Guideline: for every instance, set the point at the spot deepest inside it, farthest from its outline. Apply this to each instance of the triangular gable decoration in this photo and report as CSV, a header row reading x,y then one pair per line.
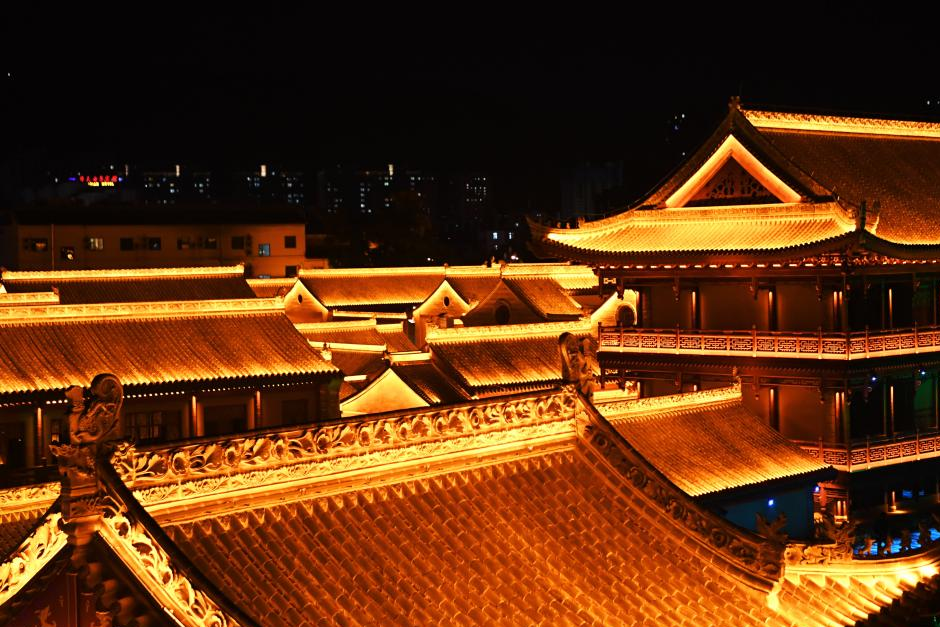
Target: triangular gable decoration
x,y
732,175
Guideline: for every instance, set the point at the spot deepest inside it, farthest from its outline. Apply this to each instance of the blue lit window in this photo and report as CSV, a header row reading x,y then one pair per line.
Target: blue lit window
x,y
264,250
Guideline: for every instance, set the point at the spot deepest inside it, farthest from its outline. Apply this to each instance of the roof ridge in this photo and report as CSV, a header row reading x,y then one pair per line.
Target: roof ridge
x,y
780,120
135,310
640,407
121,273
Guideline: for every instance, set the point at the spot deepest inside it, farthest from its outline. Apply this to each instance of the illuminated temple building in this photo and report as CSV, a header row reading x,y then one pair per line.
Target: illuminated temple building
x,y
428,446
799,253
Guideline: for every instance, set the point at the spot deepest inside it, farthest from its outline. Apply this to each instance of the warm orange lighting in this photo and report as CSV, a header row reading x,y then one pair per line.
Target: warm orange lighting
x,y
731,148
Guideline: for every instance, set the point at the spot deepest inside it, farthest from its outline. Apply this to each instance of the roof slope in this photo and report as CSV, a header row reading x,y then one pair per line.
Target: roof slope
x,y
900,173
43,354
707,442
429,382
372,286
530,509
545,296
511,355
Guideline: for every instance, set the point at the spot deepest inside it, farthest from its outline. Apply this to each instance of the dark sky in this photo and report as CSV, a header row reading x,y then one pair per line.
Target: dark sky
x,y
443,85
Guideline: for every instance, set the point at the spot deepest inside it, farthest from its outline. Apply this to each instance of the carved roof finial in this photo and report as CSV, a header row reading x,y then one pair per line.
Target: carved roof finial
x,y
734,103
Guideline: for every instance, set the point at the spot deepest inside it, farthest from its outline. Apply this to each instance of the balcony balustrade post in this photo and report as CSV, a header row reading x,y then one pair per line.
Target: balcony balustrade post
x,y
819,343
866,340
753,340
678,337
916,343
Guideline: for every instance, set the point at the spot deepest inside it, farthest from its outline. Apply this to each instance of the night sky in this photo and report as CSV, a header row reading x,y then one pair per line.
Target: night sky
x,y
517,92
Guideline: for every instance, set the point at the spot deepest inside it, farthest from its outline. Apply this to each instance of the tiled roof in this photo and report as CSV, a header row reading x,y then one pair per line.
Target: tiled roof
x,y
395,337
429,382
707,442
133,285
900,174
718,229
572,527
268,288
347,332
51,354
372,286
545,296
571,277
353,362
472,288
510,355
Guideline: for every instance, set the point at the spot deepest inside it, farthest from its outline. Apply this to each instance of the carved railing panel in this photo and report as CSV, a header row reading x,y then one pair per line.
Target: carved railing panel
x,y
824,345
31,556
861,455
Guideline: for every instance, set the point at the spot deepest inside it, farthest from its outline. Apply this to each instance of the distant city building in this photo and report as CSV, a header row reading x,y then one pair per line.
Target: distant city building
x,y
269,241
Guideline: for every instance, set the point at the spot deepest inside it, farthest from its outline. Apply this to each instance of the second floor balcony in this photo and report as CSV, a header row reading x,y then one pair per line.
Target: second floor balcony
x,y
804,345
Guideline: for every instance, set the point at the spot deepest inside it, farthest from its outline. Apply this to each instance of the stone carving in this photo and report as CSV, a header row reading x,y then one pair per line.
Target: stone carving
x,y
94,425
27,498
220,462
143,553
578,362
31,556
773,530
762,559
838,549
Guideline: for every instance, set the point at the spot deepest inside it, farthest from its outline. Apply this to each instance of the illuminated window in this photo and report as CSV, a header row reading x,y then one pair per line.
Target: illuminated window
x,y
495,235
94,243
211,243
127,243
290,241
238,241
67,253
37,245
154,243
264,250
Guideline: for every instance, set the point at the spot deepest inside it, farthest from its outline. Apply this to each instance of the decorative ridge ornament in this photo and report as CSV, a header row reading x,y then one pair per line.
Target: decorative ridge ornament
x,y
579,362
510,331
94,426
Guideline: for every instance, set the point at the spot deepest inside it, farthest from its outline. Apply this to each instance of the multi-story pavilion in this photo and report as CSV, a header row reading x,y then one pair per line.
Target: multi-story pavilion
x,y
798,252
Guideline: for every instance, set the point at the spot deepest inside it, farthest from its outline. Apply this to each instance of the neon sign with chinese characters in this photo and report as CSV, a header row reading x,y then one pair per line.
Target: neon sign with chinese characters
x,y
106,180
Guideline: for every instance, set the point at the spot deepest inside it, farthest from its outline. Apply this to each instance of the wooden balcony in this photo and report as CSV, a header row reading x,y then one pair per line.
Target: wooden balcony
x,y
862,455
818,345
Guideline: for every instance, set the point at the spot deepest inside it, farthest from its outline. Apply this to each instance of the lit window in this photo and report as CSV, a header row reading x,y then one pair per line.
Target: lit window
x,y
264,250
67,253
495,235
212,243
510,234
94,243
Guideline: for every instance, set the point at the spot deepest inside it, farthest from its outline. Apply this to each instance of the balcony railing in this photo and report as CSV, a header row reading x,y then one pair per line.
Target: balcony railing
x,y
875,453
819,345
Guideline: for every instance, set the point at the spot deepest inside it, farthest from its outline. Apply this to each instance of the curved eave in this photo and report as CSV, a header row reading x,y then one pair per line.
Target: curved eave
x,y
547,248
875,244
8,395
